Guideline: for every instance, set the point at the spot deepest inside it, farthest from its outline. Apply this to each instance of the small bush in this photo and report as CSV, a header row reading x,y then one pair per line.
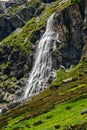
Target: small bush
x,y
48,117
37,123
27,125
57,126
68,107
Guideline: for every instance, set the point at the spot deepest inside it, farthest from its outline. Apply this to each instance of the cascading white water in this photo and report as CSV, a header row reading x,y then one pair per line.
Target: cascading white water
x,y
42,68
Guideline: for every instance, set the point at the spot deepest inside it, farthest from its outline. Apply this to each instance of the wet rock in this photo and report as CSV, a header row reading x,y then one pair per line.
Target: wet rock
x,y
18,93
50,79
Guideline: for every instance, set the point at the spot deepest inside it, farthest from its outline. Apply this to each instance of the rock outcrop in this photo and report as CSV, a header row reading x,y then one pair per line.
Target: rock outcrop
x,y
69,23
12,18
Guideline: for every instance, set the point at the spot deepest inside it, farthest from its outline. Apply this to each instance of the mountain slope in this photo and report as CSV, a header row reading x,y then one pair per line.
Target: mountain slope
x,y
17,51
60,105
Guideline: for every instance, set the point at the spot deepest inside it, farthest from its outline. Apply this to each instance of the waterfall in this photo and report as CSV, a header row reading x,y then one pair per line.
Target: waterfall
x,y
42,69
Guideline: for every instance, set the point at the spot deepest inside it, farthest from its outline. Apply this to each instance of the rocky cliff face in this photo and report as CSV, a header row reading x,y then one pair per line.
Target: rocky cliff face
x,y
69,23
14,14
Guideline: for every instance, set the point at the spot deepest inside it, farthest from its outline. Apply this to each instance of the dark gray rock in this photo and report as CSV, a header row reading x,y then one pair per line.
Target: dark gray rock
x,y
12,105
9,22
3,110
11,90
69,25
18,93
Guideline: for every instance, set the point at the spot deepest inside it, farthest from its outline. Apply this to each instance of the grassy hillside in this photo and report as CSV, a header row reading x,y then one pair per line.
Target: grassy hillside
x,y
60,105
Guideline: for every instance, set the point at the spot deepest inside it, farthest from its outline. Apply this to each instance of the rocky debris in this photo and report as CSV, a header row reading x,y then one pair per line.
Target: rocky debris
x,y
13,104
84,111
21,82
3,110
19,92
9,106
8,97
11,90
67,80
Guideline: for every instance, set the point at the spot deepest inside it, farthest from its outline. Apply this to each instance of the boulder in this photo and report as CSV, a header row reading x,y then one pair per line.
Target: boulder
x,y
18,93
84,111
13,104
67,80
3,110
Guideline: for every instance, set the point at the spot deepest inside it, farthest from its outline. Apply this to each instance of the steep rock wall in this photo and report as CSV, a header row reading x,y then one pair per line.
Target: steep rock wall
x,y
69,23
16,16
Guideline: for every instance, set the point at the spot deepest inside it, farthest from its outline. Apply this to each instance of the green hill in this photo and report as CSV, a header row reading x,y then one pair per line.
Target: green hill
x,y
62,105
